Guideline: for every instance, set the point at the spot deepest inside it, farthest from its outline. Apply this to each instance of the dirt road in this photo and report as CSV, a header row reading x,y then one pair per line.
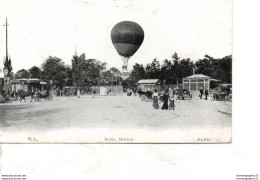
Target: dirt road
x,y
87,119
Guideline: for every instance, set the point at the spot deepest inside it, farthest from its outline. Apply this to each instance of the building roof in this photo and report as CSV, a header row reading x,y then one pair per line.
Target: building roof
x,y
31,80
148,81
198,76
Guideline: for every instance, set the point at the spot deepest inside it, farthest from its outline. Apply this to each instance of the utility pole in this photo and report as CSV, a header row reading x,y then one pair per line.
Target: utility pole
x,y
7,63
6,31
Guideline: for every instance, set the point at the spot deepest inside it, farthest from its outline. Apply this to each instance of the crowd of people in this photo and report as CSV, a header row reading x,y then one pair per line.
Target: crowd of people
x,y
168,99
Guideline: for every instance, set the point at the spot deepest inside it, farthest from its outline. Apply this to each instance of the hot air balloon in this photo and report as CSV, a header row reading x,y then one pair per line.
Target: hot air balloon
x,y
127,37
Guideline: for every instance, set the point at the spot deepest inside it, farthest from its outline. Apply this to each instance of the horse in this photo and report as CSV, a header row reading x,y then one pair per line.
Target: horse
x,y
22,94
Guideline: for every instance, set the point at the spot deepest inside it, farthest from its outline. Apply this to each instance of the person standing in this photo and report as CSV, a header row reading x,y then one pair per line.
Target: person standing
x,y
32,95
171,99
206,94
134,92
155,99
78,93
149,92
94,93
201,93
165,100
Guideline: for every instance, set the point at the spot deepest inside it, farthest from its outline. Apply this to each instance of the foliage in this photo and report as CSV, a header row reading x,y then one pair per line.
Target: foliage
x,y
220,69
88,72
35,72
172,71
22,74
54,69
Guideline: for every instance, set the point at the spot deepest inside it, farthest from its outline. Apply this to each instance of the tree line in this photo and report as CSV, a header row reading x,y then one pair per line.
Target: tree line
x,y
81,73
173,70
91,72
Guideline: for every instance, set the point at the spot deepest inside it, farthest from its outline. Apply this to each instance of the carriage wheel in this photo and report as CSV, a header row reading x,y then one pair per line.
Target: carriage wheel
x,y
50,98
143,98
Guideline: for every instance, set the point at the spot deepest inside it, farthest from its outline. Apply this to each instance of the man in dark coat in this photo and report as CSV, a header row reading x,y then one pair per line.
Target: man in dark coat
x,y
201,93
206,94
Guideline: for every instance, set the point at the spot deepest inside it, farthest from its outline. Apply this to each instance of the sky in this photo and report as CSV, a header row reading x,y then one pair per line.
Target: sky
x,y
42,28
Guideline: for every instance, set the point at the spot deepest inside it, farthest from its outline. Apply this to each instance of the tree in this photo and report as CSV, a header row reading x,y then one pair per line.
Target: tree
x,y
109,77
205,66
68,80
22,74
94,71
55,70
117,74
79,70
153,69
35,72
220,69
87,72
138,72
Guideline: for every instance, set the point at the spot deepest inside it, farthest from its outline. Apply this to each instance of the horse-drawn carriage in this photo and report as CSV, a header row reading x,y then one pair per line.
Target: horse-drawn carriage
x,y
38,96
221,93
45,96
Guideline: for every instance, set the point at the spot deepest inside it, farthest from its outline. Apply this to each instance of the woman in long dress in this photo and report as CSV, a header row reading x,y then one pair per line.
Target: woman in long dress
x,y
155,99
78,93
171,99
165,100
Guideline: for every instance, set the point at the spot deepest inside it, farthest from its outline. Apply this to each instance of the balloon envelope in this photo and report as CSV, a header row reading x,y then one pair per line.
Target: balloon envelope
x,y
127,37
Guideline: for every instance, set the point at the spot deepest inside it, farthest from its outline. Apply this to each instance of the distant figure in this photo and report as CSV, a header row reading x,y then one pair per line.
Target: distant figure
x,y
39,95
16,95
155,99
149,92
47,92
201,93
94,93
128,92
134,92
171,99
32,95
206,94
165,100
78,93
227,97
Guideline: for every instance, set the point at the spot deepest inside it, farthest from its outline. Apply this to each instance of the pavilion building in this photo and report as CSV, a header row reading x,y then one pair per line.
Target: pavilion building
x,y
196,82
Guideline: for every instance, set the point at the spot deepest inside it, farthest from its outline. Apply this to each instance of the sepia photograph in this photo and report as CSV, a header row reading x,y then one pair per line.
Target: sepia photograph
x,y
128,71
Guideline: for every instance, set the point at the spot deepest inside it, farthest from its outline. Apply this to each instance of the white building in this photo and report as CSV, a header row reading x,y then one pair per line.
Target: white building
x,y
152,84
196,82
